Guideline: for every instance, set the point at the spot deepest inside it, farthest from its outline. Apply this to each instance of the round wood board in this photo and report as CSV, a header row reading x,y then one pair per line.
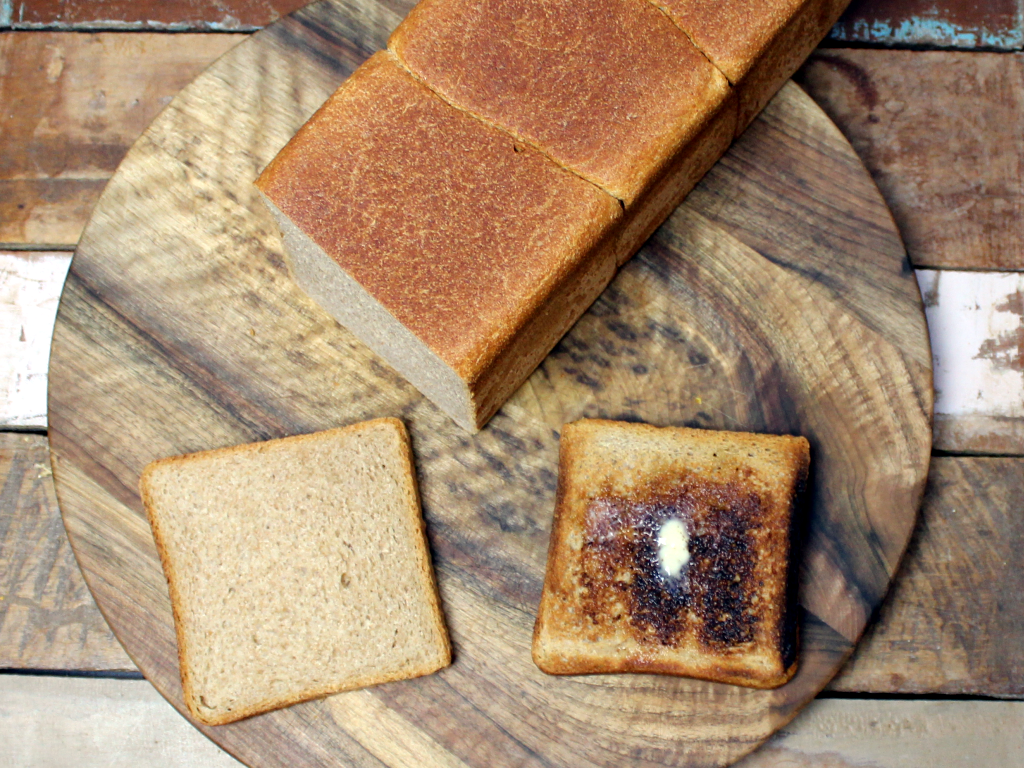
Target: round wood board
x,y
778,298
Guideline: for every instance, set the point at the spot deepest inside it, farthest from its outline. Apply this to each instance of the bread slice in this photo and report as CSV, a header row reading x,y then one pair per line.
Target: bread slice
x,y
757,44
456,253
671,553
613,93
297,568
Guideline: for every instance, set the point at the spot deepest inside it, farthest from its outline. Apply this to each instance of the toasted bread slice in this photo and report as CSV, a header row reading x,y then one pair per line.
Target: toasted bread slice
x,y
297,568
457,254
671,553
613,91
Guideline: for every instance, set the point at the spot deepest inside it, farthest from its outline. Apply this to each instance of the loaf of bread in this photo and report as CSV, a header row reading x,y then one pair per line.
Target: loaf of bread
x,y
671,553
297,568
462,199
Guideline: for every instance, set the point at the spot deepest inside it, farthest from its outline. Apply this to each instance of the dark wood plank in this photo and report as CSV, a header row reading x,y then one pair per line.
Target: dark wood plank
x,y
954,622
995,24
73,105
193,15
943,136
48,619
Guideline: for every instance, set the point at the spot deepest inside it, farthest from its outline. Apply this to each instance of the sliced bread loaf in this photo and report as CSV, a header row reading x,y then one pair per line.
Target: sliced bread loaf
x,y
671,553
297,568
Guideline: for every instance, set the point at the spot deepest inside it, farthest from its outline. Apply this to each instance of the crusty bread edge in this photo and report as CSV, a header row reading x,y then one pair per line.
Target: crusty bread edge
x,y
798,450
266,705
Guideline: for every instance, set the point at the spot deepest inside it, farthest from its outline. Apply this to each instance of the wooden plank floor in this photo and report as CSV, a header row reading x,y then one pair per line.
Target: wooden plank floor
x,y
942,132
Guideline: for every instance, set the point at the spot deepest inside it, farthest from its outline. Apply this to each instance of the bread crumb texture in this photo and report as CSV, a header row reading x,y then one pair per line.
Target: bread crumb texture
x,y
297,568
670,553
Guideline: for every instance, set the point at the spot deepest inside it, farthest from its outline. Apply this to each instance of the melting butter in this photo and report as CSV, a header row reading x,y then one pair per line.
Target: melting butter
x,y
673,547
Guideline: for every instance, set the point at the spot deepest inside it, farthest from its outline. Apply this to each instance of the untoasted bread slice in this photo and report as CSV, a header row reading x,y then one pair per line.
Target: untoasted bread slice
x,y
297,568
670,553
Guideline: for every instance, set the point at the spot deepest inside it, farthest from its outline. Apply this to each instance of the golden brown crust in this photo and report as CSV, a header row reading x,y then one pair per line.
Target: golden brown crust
x,y
612,94
486,228
607,606
423,566
757,44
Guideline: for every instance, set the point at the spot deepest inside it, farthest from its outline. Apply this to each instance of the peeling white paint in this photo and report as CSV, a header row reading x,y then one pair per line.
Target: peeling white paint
x,y
30,288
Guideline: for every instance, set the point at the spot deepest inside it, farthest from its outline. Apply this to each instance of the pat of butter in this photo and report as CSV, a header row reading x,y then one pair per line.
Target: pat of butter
x,y
673,547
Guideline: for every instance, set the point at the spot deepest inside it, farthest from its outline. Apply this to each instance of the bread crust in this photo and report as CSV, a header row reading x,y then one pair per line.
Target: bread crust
x,y
613,94
488,228
607,608
423,567
757,44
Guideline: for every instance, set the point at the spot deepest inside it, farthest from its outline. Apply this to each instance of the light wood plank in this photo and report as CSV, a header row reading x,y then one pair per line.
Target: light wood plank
x,y
942,133
55,722
976,323
48,619
933,635
48,722
30,286
844,733
73,105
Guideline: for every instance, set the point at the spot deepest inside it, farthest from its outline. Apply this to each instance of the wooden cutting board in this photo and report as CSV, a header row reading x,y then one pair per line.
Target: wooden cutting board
x,y
777,299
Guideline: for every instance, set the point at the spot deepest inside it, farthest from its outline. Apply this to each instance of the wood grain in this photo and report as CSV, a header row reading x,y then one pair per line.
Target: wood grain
x,y
179,330
114,723
73,104
954,621
943,136
48,619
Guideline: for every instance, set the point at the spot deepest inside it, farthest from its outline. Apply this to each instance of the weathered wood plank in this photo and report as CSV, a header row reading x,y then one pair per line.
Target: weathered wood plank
x,y
83,99
73,105
196,15
48,619
30,286
943,136
968,24
976,323
954,620
54,722
838,733
993,24
48,722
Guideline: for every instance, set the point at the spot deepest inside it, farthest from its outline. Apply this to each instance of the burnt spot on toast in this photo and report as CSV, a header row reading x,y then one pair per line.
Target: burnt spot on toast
x,y
714,596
